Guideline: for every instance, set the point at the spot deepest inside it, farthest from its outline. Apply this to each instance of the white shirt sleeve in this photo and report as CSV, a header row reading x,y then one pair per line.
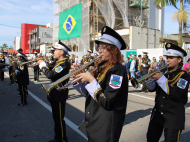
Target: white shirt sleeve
x,y
162,83
81,88
92,87
42,64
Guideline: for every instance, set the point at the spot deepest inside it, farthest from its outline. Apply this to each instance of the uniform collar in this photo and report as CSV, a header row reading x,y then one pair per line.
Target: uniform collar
x,y
174,71
61,60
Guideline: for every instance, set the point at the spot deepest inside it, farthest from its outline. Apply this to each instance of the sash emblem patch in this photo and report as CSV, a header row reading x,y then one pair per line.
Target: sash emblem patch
x,y
182,83
58,69
115,81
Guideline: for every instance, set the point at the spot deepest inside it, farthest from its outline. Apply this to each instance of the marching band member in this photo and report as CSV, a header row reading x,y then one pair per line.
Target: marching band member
x,y
88,56
21,52
72,58
107,92
36,68
145,67
52,59
2,60
10,70
22,78
171,89
57,97
83,60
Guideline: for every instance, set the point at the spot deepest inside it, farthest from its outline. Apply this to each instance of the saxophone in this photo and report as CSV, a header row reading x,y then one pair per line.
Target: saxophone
x,y
140,66
14,78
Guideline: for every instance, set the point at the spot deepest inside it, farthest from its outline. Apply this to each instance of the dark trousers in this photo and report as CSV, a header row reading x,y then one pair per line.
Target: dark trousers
x,y
2,75
58,111
36,74
10,74
155,132
23,92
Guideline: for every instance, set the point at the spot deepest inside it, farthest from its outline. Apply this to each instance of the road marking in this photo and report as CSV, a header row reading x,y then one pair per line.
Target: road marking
x,y
67,121
141,96
150,98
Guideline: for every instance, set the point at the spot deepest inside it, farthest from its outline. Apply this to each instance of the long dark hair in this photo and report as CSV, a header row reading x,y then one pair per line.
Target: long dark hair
x,y
116,57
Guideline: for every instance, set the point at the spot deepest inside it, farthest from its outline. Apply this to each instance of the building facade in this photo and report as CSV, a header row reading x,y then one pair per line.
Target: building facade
x,y
16,43
26,39
117,14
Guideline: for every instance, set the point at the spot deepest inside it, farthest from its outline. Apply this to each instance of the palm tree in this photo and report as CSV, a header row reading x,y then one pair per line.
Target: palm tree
x,y
180,16
5,45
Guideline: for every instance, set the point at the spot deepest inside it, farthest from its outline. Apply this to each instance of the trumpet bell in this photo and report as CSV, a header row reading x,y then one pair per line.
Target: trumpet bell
x,y
134,83
47,88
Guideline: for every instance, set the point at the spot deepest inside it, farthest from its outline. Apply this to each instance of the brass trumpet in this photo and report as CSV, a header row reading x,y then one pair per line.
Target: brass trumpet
x,y
135,82
23,63
49,87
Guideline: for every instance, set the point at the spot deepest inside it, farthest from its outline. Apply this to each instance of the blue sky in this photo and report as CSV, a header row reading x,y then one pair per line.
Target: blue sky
x,y
15,12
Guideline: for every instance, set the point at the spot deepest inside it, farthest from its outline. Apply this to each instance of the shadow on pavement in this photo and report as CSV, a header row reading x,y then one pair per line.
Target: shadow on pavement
x,y
135,115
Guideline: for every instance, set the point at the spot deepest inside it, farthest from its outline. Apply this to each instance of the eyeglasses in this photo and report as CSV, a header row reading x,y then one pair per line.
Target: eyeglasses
x,y
154,59
100,48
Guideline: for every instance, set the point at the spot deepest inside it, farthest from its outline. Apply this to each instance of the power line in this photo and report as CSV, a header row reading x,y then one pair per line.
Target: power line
x,y
9,26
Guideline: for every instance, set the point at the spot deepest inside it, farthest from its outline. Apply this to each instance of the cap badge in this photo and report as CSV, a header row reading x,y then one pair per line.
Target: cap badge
x,y
169,45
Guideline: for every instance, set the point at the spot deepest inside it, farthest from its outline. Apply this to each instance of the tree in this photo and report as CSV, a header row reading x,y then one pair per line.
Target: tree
x,y
180,15
4,46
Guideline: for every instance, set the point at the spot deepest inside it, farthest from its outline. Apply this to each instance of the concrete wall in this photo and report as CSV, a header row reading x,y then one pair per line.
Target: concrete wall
x,y
43,49
45,34
139,41
154,16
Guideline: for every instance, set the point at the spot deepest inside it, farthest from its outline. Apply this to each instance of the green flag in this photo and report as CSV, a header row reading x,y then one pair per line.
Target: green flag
x,y
70,23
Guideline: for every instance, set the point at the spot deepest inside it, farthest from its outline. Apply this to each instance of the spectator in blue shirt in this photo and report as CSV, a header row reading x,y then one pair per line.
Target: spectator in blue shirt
x,y
127,66
132,67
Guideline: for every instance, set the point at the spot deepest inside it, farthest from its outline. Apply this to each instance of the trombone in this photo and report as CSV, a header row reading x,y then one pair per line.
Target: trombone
x,y
135,82
49,87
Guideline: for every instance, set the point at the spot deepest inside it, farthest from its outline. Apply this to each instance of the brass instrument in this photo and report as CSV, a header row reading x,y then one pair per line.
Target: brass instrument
x,y
23,63
49,87
13,74
73,81
140,66
4,64
135,82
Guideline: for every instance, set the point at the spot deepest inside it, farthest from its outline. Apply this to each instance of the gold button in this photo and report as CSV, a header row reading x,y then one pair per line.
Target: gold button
x,y
163,97
161,105
154,109
162,113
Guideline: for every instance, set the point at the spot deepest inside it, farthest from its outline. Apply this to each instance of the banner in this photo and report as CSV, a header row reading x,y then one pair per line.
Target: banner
x,y
70,23
131,52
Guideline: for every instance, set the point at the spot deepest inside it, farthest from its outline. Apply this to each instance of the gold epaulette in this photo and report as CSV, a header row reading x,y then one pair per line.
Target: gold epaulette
x,y
174,80
59,62
101,77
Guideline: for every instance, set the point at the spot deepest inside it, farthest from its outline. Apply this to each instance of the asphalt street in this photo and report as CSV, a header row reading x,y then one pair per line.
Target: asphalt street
x,y
34,122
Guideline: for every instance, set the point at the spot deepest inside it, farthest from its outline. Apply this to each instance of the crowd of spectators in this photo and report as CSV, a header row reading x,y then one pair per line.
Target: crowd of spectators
x,y
134,65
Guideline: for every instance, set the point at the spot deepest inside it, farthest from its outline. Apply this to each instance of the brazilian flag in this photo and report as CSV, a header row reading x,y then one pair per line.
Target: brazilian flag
x,y
70,23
